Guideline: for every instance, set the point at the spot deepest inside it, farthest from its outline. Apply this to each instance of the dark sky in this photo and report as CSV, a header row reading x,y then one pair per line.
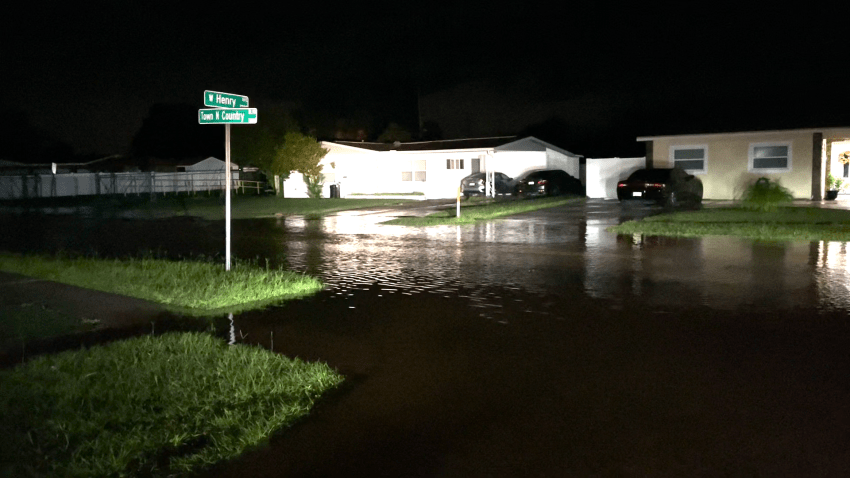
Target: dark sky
x,y
589,78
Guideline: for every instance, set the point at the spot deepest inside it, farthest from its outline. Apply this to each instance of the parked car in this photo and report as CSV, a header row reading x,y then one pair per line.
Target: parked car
x,y
550,182
473,185
667,186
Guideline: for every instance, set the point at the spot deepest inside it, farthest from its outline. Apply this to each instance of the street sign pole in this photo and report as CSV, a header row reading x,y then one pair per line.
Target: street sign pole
x,y
226,108
227,196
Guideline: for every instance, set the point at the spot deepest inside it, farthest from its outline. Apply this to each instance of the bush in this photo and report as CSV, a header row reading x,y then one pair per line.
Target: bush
x,y
766,195
315,183
833,183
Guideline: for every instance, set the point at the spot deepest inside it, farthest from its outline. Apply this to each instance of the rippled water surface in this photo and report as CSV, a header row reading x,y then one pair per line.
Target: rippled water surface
x,y
538,345
549,251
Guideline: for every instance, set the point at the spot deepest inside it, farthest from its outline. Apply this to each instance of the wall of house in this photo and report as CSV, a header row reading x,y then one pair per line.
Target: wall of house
x,y
366,172
390,172
602,175
517,163
727,171
444,182
556,160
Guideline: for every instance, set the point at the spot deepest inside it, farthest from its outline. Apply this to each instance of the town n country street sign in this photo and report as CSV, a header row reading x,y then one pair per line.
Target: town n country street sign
x,y
227,115
218,99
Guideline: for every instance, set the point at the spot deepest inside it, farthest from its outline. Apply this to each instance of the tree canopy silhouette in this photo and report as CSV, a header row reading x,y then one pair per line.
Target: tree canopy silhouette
x,y
171,130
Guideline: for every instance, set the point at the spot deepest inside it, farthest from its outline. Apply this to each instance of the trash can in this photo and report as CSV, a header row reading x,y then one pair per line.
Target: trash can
x,y
334,190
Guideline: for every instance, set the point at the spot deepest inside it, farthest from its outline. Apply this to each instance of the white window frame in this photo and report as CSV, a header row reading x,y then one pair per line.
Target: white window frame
x,y
412,168
454,164
751,157
703,147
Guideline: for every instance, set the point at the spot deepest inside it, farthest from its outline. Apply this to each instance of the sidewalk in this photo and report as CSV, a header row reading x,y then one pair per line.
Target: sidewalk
x,y
109,310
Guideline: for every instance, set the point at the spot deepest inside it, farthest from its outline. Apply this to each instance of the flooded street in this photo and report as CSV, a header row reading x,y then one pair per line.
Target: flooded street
x,y
538,345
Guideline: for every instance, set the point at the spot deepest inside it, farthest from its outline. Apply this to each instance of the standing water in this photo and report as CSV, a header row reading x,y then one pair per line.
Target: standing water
x,y
538,345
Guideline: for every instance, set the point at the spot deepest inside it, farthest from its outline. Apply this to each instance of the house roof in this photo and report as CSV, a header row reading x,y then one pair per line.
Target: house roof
x,y
530,143
827,132
440,145
210,163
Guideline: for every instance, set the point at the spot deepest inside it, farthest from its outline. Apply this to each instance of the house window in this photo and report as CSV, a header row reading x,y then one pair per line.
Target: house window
x,y
454,164
413,170
690,158
770,157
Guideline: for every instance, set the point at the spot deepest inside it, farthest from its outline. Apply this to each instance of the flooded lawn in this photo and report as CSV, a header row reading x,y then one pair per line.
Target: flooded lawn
x,y
539,345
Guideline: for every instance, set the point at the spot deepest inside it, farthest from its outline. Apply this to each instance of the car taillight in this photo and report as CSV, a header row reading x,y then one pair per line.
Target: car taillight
x,y
621,185
541,182
654,185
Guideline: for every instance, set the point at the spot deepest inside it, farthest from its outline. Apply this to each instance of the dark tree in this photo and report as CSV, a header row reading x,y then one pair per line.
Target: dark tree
x,y
172,131
393,133
256,144
25,143
431,131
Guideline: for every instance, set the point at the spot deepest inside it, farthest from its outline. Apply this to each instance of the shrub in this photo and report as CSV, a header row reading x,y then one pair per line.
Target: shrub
x,y
833,183
766,195
314,183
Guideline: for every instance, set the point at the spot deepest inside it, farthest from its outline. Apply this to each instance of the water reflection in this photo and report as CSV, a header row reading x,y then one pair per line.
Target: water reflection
x,y
231,331
831,274
721,272
549,253
560,251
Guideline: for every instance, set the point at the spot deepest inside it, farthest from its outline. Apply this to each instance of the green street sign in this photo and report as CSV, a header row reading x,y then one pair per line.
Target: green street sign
x,y
227,115
218,99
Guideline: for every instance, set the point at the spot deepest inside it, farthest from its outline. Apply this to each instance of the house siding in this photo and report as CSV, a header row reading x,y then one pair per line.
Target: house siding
x,y
366,170
727,171
556,160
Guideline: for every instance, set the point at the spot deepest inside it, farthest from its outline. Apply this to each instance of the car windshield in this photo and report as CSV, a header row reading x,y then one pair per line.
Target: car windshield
x,y
659,175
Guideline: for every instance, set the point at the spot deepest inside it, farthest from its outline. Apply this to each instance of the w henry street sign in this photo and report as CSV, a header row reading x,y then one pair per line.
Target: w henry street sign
x,y
227,115
228,109
218,99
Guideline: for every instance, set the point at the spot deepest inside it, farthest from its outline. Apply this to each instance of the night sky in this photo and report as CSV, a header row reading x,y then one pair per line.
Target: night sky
x,y
587,78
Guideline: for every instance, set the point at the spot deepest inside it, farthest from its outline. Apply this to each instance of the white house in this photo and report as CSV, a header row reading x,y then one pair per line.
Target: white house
x,y
431,168
209,164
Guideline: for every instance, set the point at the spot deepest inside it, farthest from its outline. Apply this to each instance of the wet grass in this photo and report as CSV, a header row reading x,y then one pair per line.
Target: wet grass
x,y
268,206
389,194
149,406
205,206
473,211
188,287
779,224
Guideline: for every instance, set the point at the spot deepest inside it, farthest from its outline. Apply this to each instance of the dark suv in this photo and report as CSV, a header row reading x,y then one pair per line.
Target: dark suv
x,y
550,182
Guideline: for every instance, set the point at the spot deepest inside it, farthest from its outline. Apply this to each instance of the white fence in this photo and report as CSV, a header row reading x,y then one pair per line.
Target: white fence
x,y
602,175
83,184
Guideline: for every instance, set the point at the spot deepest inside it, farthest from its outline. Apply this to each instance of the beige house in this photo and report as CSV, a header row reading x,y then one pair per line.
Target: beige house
x,y
728,162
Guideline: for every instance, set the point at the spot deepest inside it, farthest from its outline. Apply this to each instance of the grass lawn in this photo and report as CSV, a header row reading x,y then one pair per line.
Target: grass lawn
x,y
246,207
189,287
149,406
207,207
475,210
784,224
